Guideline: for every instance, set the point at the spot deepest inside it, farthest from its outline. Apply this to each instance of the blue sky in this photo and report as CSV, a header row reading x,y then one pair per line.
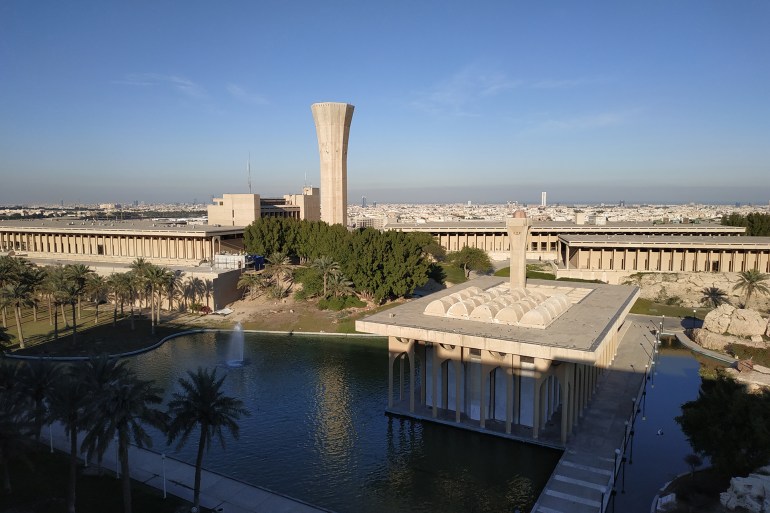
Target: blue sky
x,y
648,101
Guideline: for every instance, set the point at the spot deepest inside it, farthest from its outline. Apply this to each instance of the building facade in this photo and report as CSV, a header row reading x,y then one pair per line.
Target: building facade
x,y
243,209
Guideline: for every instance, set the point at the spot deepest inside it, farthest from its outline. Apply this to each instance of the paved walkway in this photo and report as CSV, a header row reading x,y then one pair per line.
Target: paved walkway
x,y
582,481
218,492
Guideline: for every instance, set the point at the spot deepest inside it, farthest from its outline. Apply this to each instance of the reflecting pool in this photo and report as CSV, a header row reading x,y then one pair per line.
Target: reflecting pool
x,y
657,459
318,432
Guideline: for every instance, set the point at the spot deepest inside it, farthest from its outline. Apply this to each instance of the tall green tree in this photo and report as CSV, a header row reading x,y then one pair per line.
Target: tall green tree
x,y
752,281
203,405
471,259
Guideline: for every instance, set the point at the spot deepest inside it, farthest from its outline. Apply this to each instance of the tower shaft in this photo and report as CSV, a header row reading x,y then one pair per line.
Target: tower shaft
x,y
332,124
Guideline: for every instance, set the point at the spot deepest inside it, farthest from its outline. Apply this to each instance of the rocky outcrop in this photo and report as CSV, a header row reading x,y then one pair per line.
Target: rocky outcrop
x,y
751,493
738,322
688,288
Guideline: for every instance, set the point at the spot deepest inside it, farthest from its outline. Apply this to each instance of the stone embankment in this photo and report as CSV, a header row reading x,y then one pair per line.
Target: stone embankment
x,y
688,287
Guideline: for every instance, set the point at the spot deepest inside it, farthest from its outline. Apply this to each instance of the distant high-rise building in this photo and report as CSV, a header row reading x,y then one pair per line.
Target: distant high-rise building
x,y
469,203
542,199
363,201
332,124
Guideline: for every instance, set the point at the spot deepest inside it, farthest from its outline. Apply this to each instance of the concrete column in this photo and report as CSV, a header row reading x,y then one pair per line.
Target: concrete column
x,y
541,368
508,400
423,351
433,371
459,378
391,361
518,230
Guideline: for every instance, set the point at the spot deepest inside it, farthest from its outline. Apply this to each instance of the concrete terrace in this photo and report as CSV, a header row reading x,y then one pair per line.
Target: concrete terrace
x,y
583,480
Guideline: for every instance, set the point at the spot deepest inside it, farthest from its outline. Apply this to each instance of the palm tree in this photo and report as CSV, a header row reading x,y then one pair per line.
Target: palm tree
x,y
197,287
752,281
9,270
99,373
139,268
340,285
55,282
208,290
173,288
37,379
17,294
16,426
97,289
69,294
203,404
713,296
36,278
327,267
123,410
68,405
156,277
280,270
251,282
78,273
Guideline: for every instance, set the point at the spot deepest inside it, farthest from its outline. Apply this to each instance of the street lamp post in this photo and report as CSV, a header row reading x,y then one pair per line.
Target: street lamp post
x,y
163,469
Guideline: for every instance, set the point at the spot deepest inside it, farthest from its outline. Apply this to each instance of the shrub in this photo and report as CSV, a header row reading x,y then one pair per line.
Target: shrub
x,y
336,304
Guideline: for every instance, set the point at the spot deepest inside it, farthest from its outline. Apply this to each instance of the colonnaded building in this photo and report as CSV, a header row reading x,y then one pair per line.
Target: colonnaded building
x,y
611,252
205,251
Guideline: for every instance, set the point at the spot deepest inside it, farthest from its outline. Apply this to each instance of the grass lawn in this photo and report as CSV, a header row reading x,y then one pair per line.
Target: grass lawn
x,y
41,486
649,307
453,273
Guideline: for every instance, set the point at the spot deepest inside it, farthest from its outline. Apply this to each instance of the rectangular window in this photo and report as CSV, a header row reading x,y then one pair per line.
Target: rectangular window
x,y
100,249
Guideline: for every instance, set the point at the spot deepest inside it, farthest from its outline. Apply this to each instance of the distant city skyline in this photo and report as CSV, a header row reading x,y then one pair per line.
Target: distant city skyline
x,y
488,102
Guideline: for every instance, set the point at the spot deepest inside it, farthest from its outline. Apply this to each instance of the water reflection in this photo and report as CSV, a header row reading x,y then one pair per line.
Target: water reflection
x,y
659,458
318,431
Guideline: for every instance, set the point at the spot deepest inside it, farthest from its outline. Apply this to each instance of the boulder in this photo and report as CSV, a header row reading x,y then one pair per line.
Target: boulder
x,y
735,321
718,319
747,323
709,340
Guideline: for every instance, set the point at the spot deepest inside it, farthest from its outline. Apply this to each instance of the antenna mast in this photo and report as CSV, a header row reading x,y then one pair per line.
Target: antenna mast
x,y
248,167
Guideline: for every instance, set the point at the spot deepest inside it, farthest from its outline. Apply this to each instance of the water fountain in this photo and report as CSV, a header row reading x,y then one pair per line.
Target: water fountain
x,y
235,349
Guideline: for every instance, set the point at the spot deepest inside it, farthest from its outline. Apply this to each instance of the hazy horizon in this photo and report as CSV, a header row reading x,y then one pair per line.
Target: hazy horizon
x,y
488,102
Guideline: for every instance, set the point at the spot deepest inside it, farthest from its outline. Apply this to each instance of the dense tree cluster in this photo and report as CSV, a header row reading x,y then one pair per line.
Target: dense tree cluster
x,y
378,265
756,223
104,400
729,425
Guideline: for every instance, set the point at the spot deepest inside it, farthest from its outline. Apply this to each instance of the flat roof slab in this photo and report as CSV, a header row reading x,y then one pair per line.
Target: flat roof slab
x,y
573,336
